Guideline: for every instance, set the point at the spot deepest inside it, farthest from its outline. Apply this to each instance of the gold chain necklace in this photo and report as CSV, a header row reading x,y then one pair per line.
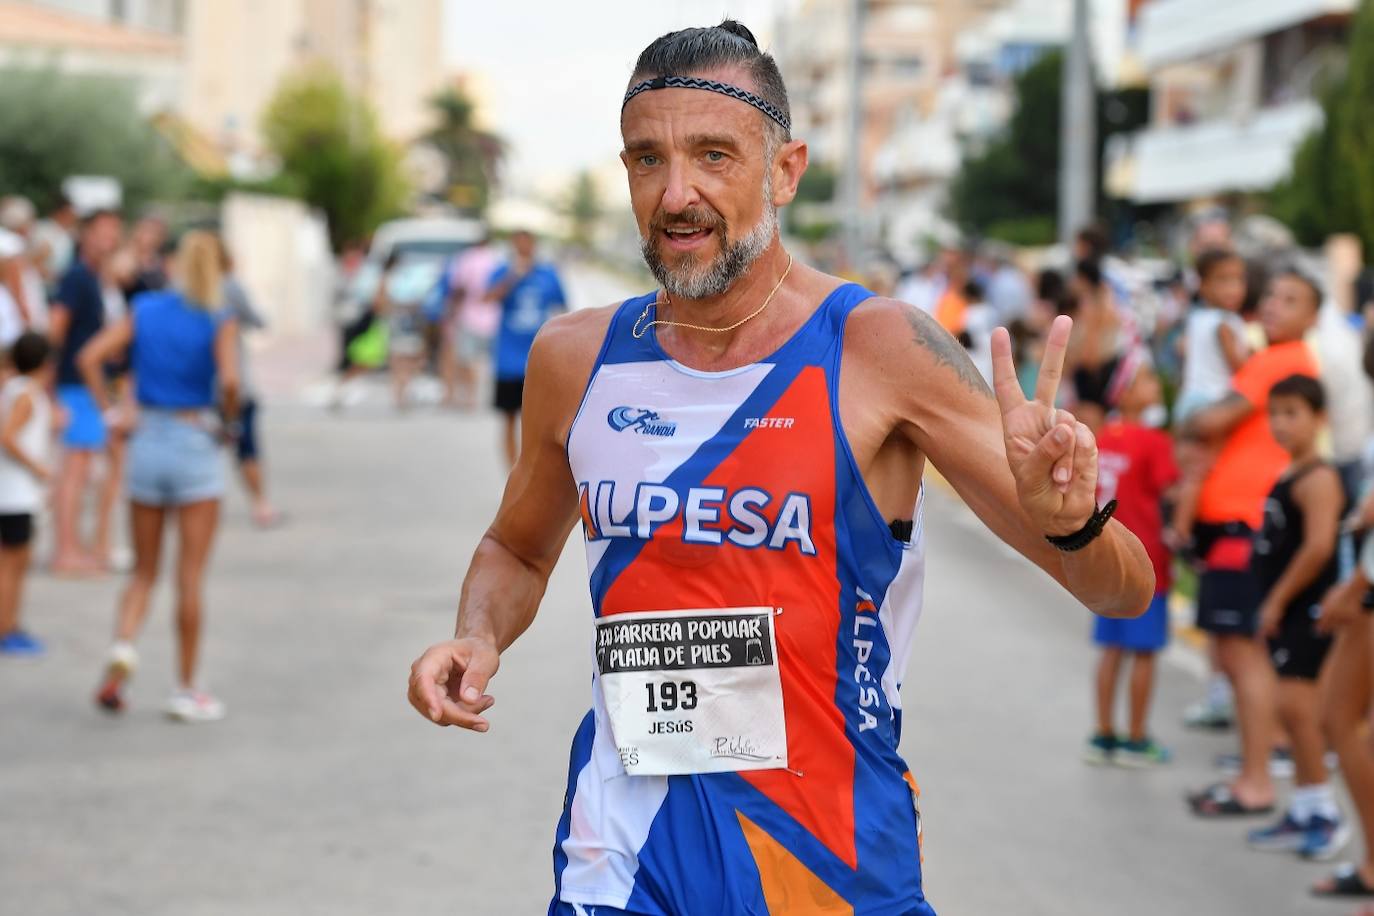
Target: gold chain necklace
x,y
639,332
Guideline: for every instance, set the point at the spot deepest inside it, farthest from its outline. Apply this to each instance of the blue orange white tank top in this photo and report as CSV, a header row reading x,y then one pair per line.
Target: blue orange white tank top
x,y
704,493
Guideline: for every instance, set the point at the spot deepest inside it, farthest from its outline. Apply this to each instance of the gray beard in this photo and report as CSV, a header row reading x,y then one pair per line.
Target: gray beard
x,y
713,279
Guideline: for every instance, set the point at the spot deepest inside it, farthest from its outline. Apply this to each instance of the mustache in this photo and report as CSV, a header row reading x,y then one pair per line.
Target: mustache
x,y
701,217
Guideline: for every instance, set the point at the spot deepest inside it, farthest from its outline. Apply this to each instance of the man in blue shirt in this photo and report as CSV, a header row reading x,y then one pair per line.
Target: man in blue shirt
x,y
530,294
77,315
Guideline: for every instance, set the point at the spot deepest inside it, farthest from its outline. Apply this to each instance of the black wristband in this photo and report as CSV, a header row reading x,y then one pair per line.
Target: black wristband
x,y
1087,534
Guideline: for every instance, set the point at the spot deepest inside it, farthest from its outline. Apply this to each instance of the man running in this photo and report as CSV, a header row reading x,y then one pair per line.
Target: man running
x,y
530,293
744,451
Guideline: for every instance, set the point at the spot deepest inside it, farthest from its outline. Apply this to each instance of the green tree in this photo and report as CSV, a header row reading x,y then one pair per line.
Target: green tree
x,y
808,217
332,151
1009,189
583,208
1014,178
473,156
53,125
1331,186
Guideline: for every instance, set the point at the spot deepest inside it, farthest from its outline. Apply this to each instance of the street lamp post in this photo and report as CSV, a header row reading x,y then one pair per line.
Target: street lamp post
x,y
1077,130
852,187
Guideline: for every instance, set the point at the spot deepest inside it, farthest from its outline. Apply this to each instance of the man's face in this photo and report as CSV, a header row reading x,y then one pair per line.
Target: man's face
x,y
700,184
101,237
149,235
1288,311
523,243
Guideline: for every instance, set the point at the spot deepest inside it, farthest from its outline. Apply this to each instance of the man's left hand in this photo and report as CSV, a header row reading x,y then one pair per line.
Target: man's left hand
x,y
1052,456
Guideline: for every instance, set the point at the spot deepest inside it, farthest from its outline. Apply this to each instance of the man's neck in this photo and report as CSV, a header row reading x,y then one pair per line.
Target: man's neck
x,y
744,295
756,336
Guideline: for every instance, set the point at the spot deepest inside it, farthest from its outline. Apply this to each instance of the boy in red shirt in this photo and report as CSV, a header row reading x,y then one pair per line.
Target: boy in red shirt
x,y
1135,467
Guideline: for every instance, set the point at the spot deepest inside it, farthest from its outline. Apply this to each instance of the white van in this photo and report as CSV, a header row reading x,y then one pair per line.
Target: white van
x,y
423,245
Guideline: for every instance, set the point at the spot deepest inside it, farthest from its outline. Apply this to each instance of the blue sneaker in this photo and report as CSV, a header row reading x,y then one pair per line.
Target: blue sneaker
x,y
1286,836
1141,754
20,645
1324,838
1099,750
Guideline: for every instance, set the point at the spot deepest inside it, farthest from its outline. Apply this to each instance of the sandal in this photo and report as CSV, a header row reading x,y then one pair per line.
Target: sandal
x,y
1345,882
1219,801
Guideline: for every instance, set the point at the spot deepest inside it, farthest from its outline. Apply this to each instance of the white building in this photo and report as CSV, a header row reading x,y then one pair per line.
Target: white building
x,y
908,49
73,39
1233,88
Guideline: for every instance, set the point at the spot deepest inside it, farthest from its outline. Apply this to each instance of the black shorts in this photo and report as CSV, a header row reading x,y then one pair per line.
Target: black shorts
x,y
16,530
1299,650
1228,593
247,446
1228,602
510,394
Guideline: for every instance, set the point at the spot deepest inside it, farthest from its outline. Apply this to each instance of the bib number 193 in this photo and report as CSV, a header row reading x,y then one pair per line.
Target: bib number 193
x,y
692,691
670,695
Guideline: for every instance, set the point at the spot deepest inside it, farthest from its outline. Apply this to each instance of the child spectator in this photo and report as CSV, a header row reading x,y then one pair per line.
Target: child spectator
x,y
1295,560
1135,467
25,427
1214,348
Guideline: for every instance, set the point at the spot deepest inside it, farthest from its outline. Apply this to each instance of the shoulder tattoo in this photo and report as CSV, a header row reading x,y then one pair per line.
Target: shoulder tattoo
x,y
926,332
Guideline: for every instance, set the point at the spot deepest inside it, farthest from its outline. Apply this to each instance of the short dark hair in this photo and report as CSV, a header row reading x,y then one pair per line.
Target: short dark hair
x,y
687,52
1090,271
1213,258
29,352
1049,285
1094,238
1301,386
1306,280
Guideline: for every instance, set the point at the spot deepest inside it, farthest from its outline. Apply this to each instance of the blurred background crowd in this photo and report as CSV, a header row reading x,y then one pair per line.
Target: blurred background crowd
x,y
384,197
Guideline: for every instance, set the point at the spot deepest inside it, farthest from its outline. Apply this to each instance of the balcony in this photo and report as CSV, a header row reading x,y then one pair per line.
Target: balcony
x,y
1174,30
1180,163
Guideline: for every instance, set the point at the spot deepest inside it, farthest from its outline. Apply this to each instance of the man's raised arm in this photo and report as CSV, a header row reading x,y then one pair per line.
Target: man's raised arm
x,y
1026,469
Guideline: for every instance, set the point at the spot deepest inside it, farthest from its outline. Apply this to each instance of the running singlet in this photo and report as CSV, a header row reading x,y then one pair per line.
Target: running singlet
x,y
754,615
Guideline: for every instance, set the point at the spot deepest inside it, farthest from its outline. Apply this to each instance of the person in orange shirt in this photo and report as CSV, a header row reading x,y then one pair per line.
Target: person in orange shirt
x,y
1230,510
952,306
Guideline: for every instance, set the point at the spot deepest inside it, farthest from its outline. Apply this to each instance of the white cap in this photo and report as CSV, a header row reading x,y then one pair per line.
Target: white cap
x,y
11,245
16,212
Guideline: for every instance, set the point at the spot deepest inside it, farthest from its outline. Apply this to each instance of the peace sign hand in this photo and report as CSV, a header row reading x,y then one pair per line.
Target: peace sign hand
x,y
1052,456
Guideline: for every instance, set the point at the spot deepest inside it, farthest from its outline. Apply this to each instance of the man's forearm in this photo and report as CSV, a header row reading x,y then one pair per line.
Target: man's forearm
x,y
1113,575
501,594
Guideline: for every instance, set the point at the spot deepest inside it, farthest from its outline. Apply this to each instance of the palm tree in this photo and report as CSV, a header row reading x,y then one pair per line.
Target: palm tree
x,y
474,156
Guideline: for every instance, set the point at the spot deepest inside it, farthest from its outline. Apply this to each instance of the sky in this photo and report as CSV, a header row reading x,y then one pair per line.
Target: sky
x,y
553,71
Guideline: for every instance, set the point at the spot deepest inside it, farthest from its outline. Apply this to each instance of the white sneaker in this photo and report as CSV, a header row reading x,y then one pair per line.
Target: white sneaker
x,y
121,559
123,659
194,706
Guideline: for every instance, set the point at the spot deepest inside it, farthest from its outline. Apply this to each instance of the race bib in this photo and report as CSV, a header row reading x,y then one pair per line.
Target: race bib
x,y
693,691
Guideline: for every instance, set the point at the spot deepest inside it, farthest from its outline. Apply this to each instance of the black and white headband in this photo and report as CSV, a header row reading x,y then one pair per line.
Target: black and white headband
x,y
693,82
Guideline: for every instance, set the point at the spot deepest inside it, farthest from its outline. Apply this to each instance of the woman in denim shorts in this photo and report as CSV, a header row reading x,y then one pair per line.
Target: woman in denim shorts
x,y
182,344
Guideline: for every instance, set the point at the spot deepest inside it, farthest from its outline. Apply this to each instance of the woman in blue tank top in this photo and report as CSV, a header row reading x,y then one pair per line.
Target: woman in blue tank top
x,y
181,344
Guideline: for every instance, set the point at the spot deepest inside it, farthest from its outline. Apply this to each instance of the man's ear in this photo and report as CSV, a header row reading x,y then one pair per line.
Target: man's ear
x,y
788,167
